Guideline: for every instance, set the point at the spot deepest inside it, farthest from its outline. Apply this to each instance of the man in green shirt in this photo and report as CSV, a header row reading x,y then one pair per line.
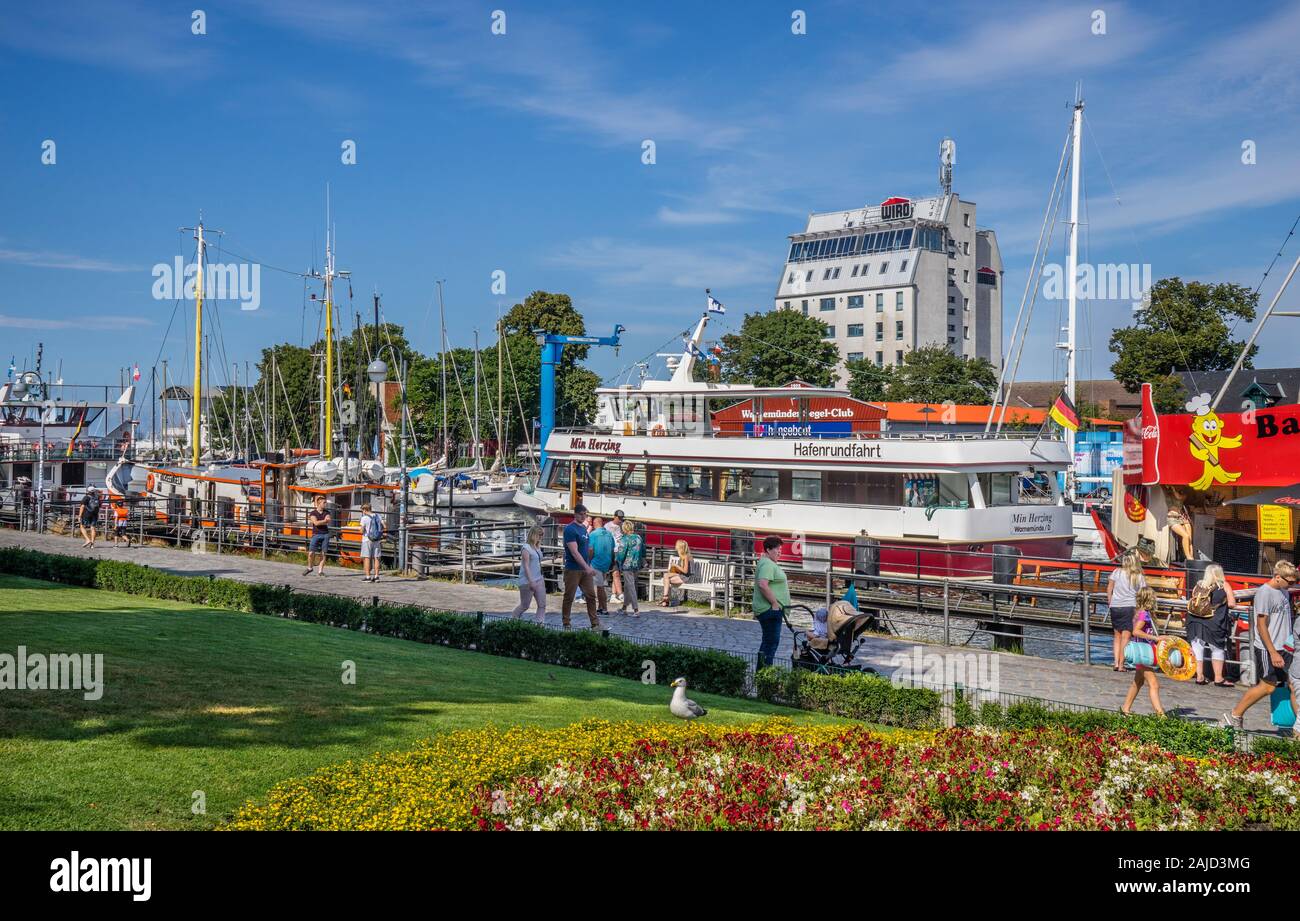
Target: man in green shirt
x,y
771,597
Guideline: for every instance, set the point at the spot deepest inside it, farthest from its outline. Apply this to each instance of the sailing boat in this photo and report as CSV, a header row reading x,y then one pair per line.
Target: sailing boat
x,y
477,487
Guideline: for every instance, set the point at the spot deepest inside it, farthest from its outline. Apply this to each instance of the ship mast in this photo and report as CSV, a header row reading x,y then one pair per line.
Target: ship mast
x,y
1071,273
196,396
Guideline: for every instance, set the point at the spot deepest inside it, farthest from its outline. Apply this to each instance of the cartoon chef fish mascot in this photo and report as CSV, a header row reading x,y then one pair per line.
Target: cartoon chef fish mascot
x,y
1207,440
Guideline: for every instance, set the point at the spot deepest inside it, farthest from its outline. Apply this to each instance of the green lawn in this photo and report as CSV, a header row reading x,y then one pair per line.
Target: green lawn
x,y
230,703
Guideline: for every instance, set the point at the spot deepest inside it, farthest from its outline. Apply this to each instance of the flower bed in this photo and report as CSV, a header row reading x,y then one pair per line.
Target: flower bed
x,y
598,775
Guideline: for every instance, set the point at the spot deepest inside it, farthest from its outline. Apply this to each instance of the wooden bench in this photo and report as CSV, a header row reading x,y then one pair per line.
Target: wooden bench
x,y
710,579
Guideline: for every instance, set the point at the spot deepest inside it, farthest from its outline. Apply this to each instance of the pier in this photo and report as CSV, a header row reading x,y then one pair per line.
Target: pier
x,y
1064,683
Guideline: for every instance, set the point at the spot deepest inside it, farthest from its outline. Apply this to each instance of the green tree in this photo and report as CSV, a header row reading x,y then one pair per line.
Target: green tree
x,y
520,381
933,374
1185,327
869,381
777,347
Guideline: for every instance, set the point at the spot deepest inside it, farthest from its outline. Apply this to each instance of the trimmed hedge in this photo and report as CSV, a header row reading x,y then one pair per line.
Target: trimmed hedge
x,y
857,696
710,671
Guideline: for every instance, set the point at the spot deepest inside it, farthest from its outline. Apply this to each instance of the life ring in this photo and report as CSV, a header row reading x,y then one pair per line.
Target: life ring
x,y
1174,656
658,429
148,483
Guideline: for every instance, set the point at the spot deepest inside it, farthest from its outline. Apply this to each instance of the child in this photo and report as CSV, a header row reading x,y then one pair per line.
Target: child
x,y
1144,631
121,515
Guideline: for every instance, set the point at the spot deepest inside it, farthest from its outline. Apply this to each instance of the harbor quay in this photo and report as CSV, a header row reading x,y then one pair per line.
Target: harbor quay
x,y
1070,684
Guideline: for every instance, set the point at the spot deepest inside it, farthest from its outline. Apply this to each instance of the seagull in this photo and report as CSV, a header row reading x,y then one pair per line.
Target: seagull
x,y
681,705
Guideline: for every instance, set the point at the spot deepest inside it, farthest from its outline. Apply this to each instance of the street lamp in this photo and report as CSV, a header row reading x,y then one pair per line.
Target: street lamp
x,y
377,372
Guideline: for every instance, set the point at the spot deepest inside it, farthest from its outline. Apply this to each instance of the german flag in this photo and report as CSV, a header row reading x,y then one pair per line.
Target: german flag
x,y
1063,414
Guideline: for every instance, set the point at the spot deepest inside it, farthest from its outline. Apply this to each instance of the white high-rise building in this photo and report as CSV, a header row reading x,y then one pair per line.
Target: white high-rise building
x,y
896,276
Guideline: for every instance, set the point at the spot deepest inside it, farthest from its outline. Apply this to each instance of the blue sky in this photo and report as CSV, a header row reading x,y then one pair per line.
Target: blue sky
x,y
522,153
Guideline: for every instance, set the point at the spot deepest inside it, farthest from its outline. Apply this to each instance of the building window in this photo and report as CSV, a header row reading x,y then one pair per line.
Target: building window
x,y
952,311
952,299
855,329
898,357
880,302
965,303
965,332
855,270
805,308
965,219
830,333
790,280
827,303
866,267
809,276
884,267
952,340
898,329
855,300
787,305
965,247
880,332
826,275
952,273
880,359
903,266
898,300
952,327
855,356
835,274
965,276
986,278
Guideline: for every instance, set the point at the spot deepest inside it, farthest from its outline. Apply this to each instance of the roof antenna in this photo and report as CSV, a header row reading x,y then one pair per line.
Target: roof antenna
x,y
947,157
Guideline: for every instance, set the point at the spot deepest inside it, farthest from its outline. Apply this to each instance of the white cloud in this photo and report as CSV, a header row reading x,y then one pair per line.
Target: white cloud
x,y
618,263
46,259
98,323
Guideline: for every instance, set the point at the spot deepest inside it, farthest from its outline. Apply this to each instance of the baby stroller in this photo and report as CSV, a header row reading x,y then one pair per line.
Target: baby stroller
x,y
834,653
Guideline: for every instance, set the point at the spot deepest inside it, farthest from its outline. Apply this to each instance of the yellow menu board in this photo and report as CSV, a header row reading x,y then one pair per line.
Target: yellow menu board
x,y
1274,524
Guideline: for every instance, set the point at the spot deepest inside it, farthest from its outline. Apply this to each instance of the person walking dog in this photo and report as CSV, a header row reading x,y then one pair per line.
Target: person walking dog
x,y
771,598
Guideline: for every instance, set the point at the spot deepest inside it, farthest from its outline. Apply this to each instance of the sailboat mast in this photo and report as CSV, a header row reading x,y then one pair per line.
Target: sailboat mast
x,y
442,361
196,396
501,412
328,447
1071,273
478,442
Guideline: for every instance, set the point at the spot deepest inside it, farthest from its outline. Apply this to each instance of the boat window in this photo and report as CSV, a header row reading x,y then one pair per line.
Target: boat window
x,y
944,489
587,475
857,487
744,485
74,474
557,474
679,482
806,486
998,488
620,479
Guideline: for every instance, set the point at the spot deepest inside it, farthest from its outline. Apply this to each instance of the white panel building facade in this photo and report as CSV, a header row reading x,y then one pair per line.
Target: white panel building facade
x,y
896,276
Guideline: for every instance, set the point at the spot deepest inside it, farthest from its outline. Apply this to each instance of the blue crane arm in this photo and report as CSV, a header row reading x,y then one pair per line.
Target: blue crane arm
x,y
552,347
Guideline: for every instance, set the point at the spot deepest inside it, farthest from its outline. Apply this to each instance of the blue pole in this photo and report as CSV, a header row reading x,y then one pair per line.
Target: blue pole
x,y
550,358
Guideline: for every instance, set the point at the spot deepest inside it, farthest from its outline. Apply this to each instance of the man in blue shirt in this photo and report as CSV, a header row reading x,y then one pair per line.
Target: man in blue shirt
x,y
577,568
601,542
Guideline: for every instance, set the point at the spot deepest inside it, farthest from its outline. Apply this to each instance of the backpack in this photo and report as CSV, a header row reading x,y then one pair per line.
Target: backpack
x,y
1199,604
374,527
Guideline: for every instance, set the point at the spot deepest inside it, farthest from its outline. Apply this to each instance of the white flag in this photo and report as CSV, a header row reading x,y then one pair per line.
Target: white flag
x,y
715,305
